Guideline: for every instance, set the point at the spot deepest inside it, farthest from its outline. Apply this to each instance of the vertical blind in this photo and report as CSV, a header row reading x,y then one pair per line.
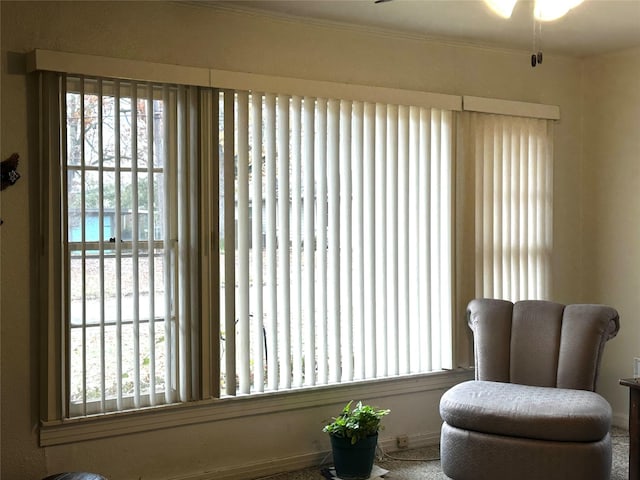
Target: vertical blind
x,y
336,240
513,158
129,242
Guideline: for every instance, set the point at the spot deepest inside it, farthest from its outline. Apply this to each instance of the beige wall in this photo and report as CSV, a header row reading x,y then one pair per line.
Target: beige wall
x,y
611,209
169,32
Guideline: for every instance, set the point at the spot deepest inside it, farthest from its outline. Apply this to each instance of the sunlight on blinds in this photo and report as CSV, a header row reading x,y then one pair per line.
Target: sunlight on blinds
x,y
336,241
513,170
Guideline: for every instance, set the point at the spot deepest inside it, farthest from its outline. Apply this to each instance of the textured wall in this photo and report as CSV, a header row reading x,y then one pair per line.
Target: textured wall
x,y
612,206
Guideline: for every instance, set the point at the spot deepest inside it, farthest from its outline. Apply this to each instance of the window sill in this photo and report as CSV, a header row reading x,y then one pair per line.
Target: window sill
x,y
122,423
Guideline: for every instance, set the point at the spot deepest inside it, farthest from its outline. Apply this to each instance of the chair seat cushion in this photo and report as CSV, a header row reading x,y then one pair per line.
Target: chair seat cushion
x,y
514,410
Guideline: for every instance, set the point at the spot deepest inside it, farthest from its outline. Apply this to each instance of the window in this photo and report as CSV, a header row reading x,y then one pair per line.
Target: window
x,y
203,243
513,165
337,240
332,215
126,241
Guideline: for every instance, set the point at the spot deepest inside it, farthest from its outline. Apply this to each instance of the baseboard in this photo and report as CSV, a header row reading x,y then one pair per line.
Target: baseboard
x,y
415,441
620,420
299,462
259,469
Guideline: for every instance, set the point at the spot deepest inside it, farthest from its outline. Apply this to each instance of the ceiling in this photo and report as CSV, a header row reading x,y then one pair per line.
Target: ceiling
x,y
595,27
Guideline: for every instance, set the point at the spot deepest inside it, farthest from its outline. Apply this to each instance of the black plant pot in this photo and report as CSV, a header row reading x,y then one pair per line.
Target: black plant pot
x,y
353,462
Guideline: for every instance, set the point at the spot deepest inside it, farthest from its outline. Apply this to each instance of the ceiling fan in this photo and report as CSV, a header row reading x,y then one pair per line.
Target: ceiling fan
x,y
543,10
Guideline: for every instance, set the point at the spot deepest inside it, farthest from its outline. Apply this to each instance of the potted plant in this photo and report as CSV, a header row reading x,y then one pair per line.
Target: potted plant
x,y
354,436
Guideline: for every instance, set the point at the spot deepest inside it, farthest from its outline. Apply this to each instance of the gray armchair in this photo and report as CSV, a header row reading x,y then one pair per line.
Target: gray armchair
x,y
531,412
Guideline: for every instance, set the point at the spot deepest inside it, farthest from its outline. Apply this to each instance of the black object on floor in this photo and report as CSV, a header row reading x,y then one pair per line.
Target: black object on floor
x,y
75,476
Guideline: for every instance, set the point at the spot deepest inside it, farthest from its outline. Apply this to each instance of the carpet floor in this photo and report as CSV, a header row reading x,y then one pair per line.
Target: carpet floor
x,y
424,463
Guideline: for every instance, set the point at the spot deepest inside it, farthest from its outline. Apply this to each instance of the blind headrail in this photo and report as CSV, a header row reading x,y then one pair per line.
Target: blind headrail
x,y
93,65
510,107
325,89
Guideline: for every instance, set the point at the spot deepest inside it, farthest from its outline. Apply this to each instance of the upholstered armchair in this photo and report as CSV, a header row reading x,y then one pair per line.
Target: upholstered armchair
x,y
531,412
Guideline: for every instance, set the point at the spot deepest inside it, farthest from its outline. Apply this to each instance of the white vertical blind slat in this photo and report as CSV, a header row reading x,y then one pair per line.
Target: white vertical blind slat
x,y
369,248
424,238
506,208
413,243
436,217
271,239
381,233
514,199
284,256
522,212
309,240
445,341
487,214
358,319
402,262
321,239
333,242
257,242
391,235
532,214
345,270
498,212
297,333
548,202
242,299
541,211
476,132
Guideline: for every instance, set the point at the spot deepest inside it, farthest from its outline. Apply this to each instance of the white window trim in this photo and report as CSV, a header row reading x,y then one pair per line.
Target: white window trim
x,y
121,423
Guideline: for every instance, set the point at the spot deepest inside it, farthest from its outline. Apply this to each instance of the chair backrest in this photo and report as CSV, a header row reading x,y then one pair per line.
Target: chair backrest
x,y
540,343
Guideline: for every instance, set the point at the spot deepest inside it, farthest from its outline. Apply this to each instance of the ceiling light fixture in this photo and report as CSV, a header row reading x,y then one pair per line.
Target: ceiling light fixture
x,y
549,10
504,8
543,10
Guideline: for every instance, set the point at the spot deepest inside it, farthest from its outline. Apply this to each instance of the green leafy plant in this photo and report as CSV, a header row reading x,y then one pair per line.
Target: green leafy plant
x,y
356,424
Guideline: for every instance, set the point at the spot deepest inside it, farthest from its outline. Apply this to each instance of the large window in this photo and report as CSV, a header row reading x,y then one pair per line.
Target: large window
x,y
203,243
336,240
334,231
